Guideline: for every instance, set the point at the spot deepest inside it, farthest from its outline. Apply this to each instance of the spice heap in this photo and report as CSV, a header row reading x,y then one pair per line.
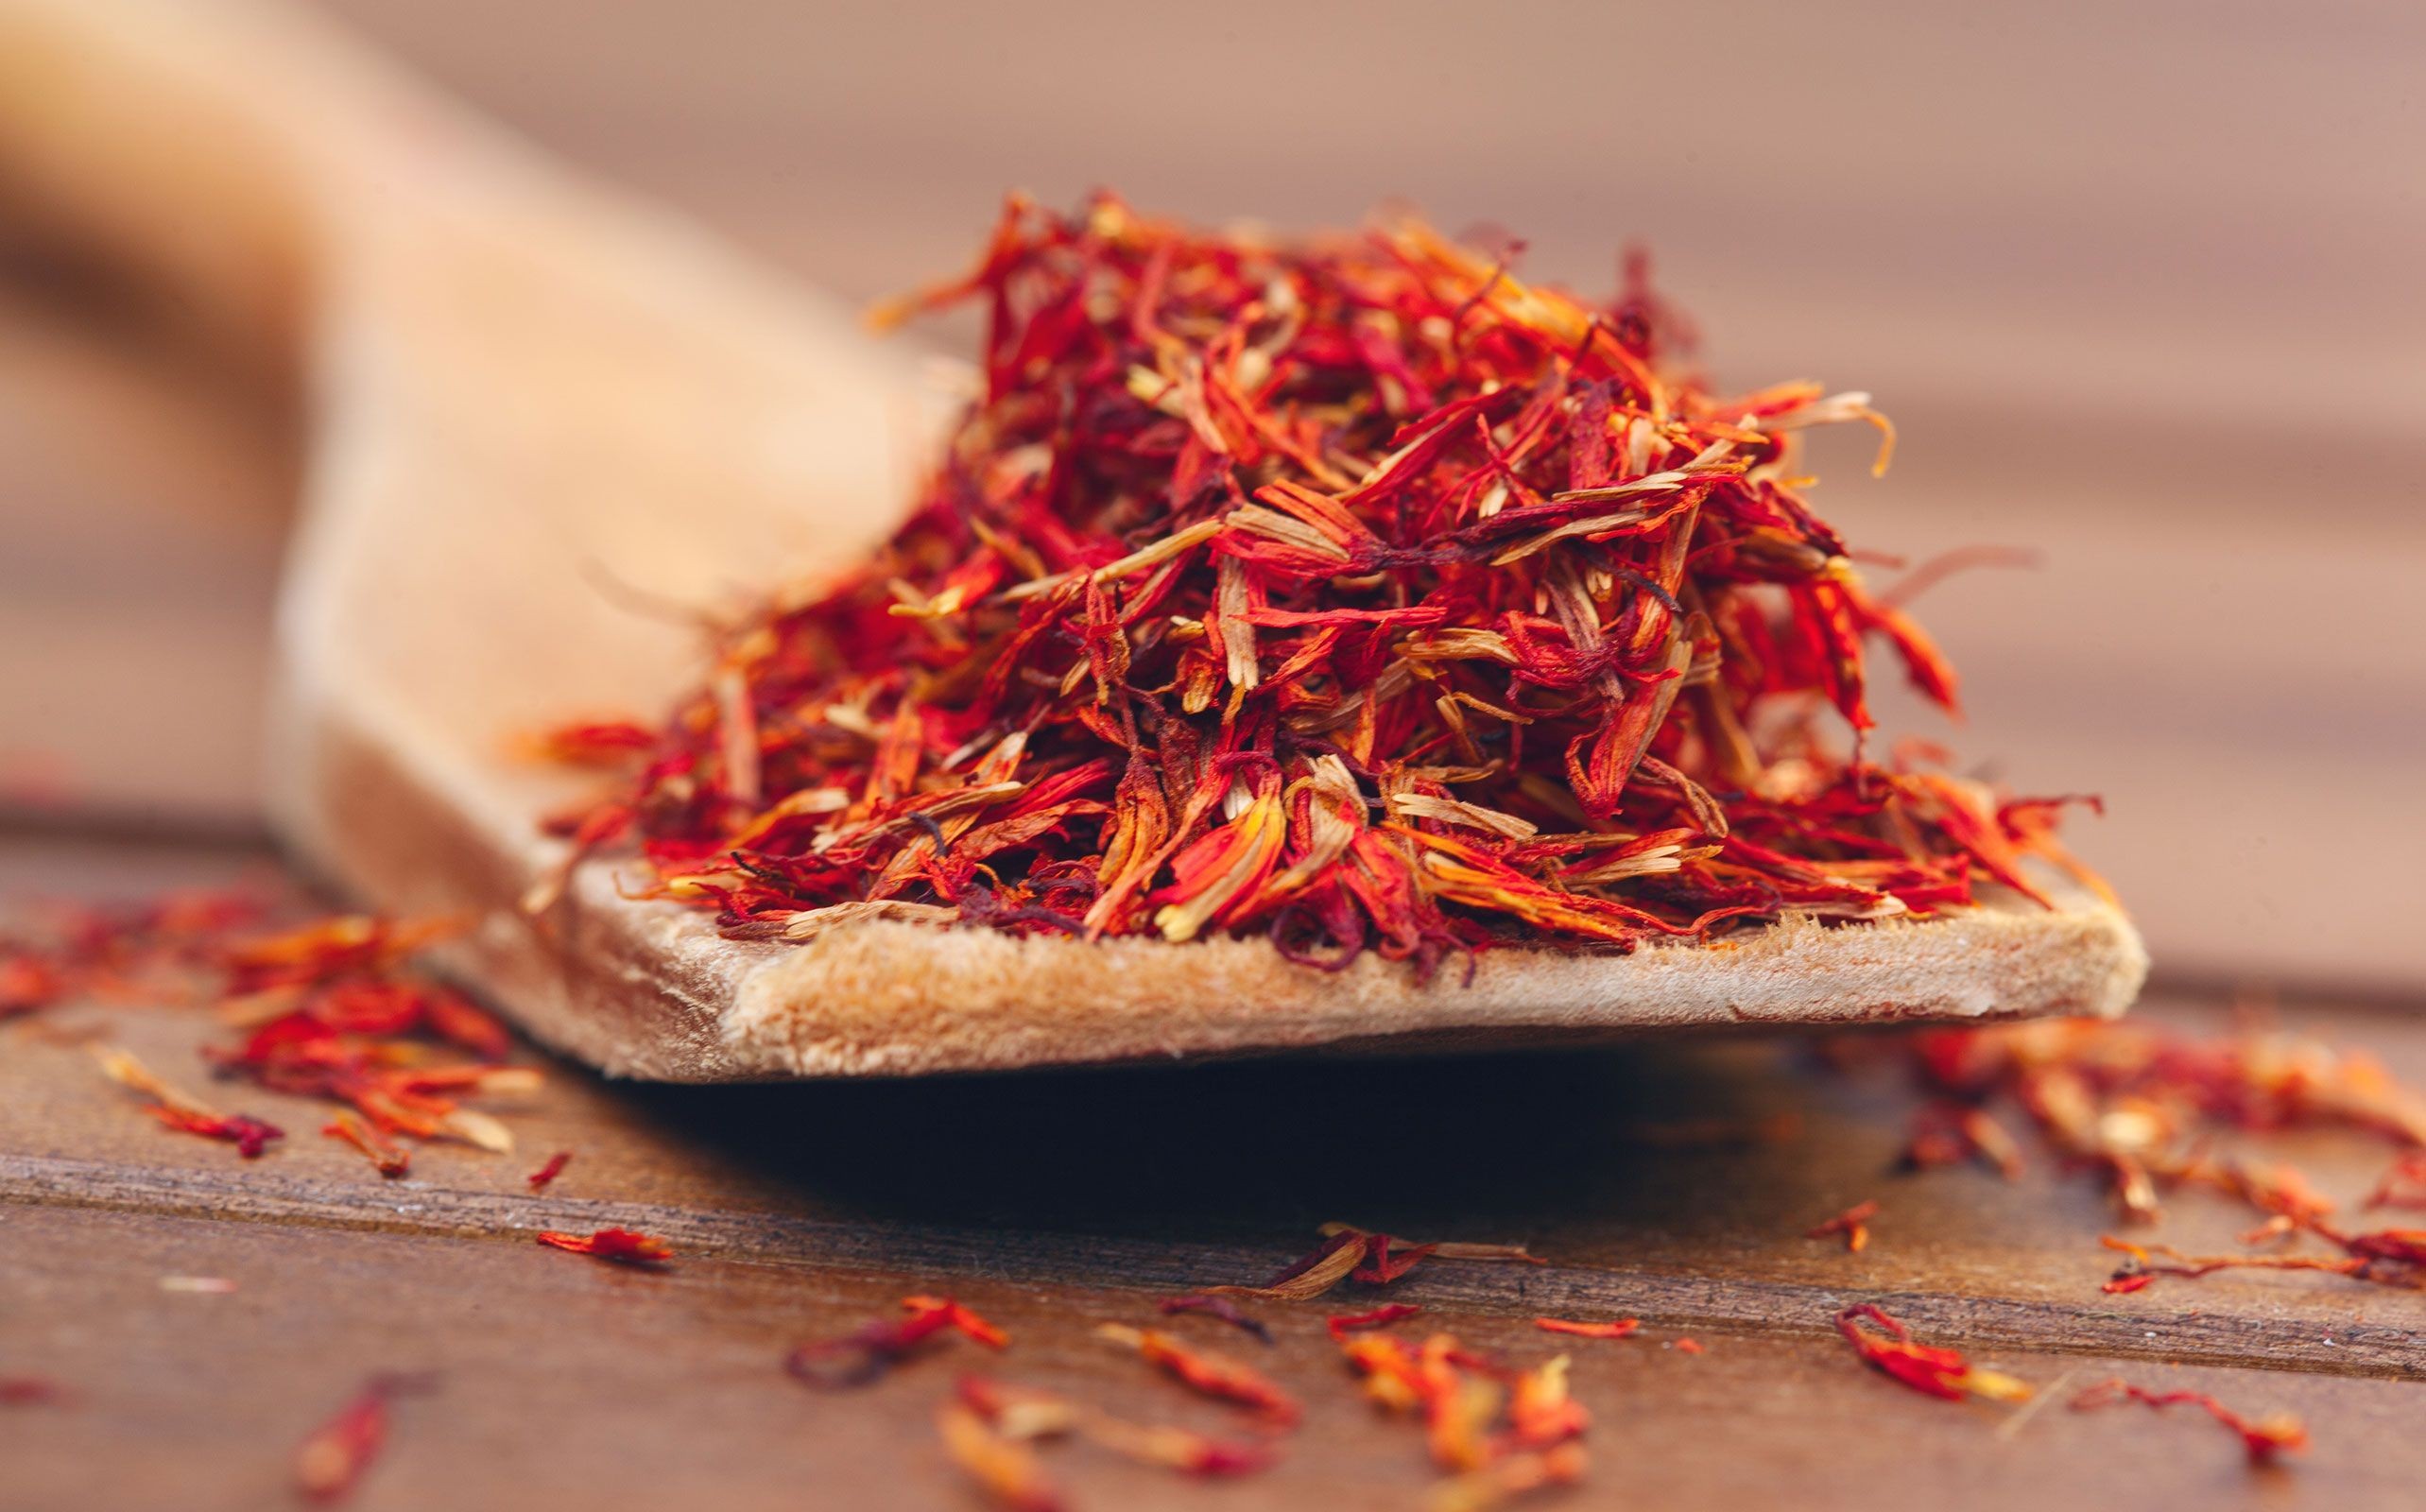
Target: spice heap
x,y
1352,592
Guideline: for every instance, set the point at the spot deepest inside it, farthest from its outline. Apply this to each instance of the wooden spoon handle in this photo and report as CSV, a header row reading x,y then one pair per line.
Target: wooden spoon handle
x,y
237,152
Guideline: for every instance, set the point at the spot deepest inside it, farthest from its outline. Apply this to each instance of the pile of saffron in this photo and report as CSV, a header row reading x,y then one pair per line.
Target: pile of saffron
x,y
1349,593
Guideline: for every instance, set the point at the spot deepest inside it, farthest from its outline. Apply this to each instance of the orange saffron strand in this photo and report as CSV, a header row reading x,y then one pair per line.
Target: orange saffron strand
x,y
1622,1327
1208,1374
623,1246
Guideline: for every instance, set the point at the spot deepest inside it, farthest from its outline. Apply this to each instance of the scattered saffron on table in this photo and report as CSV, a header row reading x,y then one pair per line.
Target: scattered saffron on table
x,y
2144,1105
1688,1346
332,1462
539,1178
623,1246
1889,1347
1460,1398
330,1006
1208,1374
860,1357
1221,1307
2387,1257
2264,1438
1622,1327
1853,1223
391,1160
330,1009
1351,594
28,1391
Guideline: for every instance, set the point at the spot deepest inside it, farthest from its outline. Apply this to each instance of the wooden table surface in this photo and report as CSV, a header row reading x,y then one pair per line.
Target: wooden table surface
x,y
1054,1202
145,493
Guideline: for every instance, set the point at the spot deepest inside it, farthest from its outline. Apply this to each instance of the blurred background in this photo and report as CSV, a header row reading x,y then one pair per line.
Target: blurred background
x,y
2139,284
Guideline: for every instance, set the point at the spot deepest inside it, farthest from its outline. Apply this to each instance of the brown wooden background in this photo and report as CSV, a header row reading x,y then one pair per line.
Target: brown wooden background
x,y
2139,281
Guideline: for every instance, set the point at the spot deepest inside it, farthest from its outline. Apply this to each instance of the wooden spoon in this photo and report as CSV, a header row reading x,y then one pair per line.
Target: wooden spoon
x,y
524,389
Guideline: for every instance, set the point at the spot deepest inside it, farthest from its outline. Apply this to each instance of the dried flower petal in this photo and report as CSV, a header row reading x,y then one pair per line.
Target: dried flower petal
x,y
1853,1223
250,1136
332,1462
391,1158
862,1356
625,1246
2264,1438
1930,1371
1206,1373
1008,1472
1541,1411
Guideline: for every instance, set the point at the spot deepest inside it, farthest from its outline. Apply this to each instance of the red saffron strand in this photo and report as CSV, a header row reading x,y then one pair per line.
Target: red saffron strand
x,y
330,1464
2264,1438
250,1136
539,1178
860,1357
1886,1346
1853,1223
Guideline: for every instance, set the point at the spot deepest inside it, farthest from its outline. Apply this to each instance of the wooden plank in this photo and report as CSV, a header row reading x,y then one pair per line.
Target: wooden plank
x,y
561,1382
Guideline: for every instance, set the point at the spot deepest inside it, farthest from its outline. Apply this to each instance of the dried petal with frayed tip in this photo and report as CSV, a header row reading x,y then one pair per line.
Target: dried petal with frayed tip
x,y
1933,1372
